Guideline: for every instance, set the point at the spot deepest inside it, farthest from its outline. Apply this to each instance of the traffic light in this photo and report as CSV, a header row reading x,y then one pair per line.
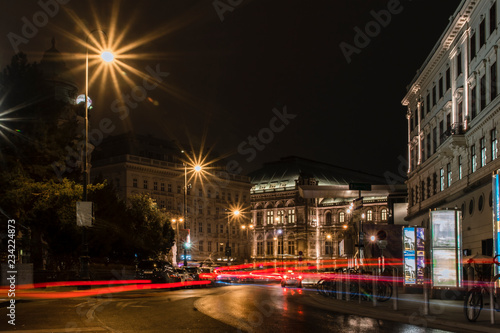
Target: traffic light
x,y
187,245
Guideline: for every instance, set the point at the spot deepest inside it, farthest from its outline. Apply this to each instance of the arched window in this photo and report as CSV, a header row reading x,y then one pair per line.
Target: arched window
x,y
328,218
384,214
369,215
341,217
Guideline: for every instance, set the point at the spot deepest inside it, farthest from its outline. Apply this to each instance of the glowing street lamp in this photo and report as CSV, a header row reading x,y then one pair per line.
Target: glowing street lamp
x,y
329,237
235,213
108,57
280,232
196,168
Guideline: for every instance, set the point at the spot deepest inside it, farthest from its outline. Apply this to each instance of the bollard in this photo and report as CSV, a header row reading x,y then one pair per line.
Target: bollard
x,y
359,288
426,293
395,289
347,287
492,302
374,287
339,286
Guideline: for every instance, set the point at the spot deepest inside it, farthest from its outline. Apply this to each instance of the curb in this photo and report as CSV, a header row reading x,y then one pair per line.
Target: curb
x,y
415,318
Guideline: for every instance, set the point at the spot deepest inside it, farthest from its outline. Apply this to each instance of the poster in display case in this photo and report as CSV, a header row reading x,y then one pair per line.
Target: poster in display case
x,y
413,255
446,248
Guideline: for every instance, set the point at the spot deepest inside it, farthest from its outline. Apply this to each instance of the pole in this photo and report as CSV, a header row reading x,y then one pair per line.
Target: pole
x,y
426,292
282,249
395,289
185,213
227,244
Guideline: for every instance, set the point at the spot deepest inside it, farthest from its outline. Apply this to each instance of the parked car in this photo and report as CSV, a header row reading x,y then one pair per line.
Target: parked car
x,y
207,274
156,271
194,271
184,274
291,279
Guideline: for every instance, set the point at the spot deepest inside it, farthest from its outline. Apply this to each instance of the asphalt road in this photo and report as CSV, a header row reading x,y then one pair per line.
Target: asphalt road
x,y
232,308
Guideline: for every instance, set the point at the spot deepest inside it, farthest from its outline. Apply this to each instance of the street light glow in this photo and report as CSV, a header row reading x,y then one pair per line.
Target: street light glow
x,y
107,56
236,212
372,238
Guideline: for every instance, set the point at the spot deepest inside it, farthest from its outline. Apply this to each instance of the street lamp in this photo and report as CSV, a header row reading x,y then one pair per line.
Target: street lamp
x,y
108,57
196,168
329,237
228,249
280,232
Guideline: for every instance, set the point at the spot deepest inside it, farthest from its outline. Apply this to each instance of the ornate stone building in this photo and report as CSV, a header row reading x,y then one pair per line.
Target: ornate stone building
x,y
453,120
302,209
144,164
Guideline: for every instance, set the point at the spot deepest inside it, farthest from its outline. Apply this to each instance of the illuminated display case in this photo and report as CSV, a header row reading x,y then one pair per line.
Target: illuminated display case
x,y
496,217
413,255
446,248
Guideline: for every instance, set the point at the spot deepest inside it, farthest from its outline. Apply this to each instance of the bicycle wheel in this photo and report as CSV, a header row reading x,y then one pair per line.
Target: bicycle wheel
x,y
473,303
384,291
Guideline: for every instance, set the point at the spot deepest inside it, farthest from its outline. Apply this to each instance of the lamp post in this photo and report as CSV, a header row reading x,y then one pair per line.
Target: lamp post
x,y
196,168
329,237
280,232
107,57
228,249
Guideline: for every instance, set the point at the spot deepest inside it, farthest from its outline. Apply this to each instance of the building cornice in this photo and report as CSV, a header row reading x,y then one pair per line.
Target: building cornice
x,y
450,35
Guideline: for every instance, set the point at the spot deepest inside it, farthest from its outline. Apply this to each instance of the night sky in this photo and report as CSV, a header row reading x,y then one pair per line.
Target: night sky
x,y
226,76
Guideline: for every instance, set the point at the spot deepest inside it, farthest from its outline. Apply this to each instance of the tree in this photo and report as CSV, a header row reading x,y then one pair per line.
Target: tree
x,y
37,127
153,234
48,211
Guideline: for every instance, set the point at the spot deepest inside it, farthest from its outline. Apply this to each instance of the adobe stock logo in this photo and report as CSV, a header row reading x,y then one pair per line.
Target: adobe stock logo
x,y
40,19
372,29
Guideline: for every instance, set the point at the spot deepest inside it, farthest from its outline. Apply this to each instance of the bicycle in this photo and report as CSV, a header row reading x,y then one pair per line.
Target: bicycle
x,y
473,302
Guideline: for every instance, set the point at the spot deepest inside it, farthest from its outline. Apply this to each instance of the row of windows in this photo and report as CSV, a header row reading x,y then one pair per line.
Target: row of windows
x,y
219,229
216,246
269,249
208,193
479,159
282,217
432,140
482,31
443,84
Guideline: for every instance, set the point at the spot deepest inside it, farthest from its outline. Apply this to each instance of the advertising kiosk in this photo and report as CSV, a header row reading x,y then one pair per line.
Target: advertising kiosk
x,y
446,248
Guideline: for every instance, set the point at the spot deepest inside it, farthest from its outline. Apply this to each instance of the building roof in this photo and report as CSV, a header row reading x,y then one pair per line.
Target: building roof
x,y
285,172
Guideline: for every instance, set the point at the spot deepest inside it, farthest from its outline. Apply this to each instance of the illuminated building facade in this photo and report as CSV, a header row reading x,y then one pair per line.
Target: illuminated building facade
x,y
453,125
301,209
143,164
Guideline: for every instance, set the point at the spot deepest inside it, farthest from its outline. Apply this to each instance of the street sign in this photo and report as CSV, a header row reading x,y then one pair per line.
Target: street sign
x,y
357,203
84,213
360,186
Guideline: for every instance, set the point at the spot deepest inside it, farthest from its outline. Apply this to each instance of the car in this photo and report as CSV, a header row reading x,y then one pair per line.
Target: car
x,y
157,271
184,274
194,271
291,278
207,274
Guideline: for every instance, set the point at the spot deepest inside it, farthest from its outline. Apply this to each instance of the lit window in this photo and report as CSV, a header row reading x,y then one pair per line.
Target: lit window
x,y
384,214
441,179
369,215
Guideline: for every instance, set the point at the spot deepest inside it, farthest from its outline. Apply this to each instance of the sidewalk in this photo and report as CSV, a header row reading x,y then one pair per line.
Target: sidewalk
x,y
443,314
